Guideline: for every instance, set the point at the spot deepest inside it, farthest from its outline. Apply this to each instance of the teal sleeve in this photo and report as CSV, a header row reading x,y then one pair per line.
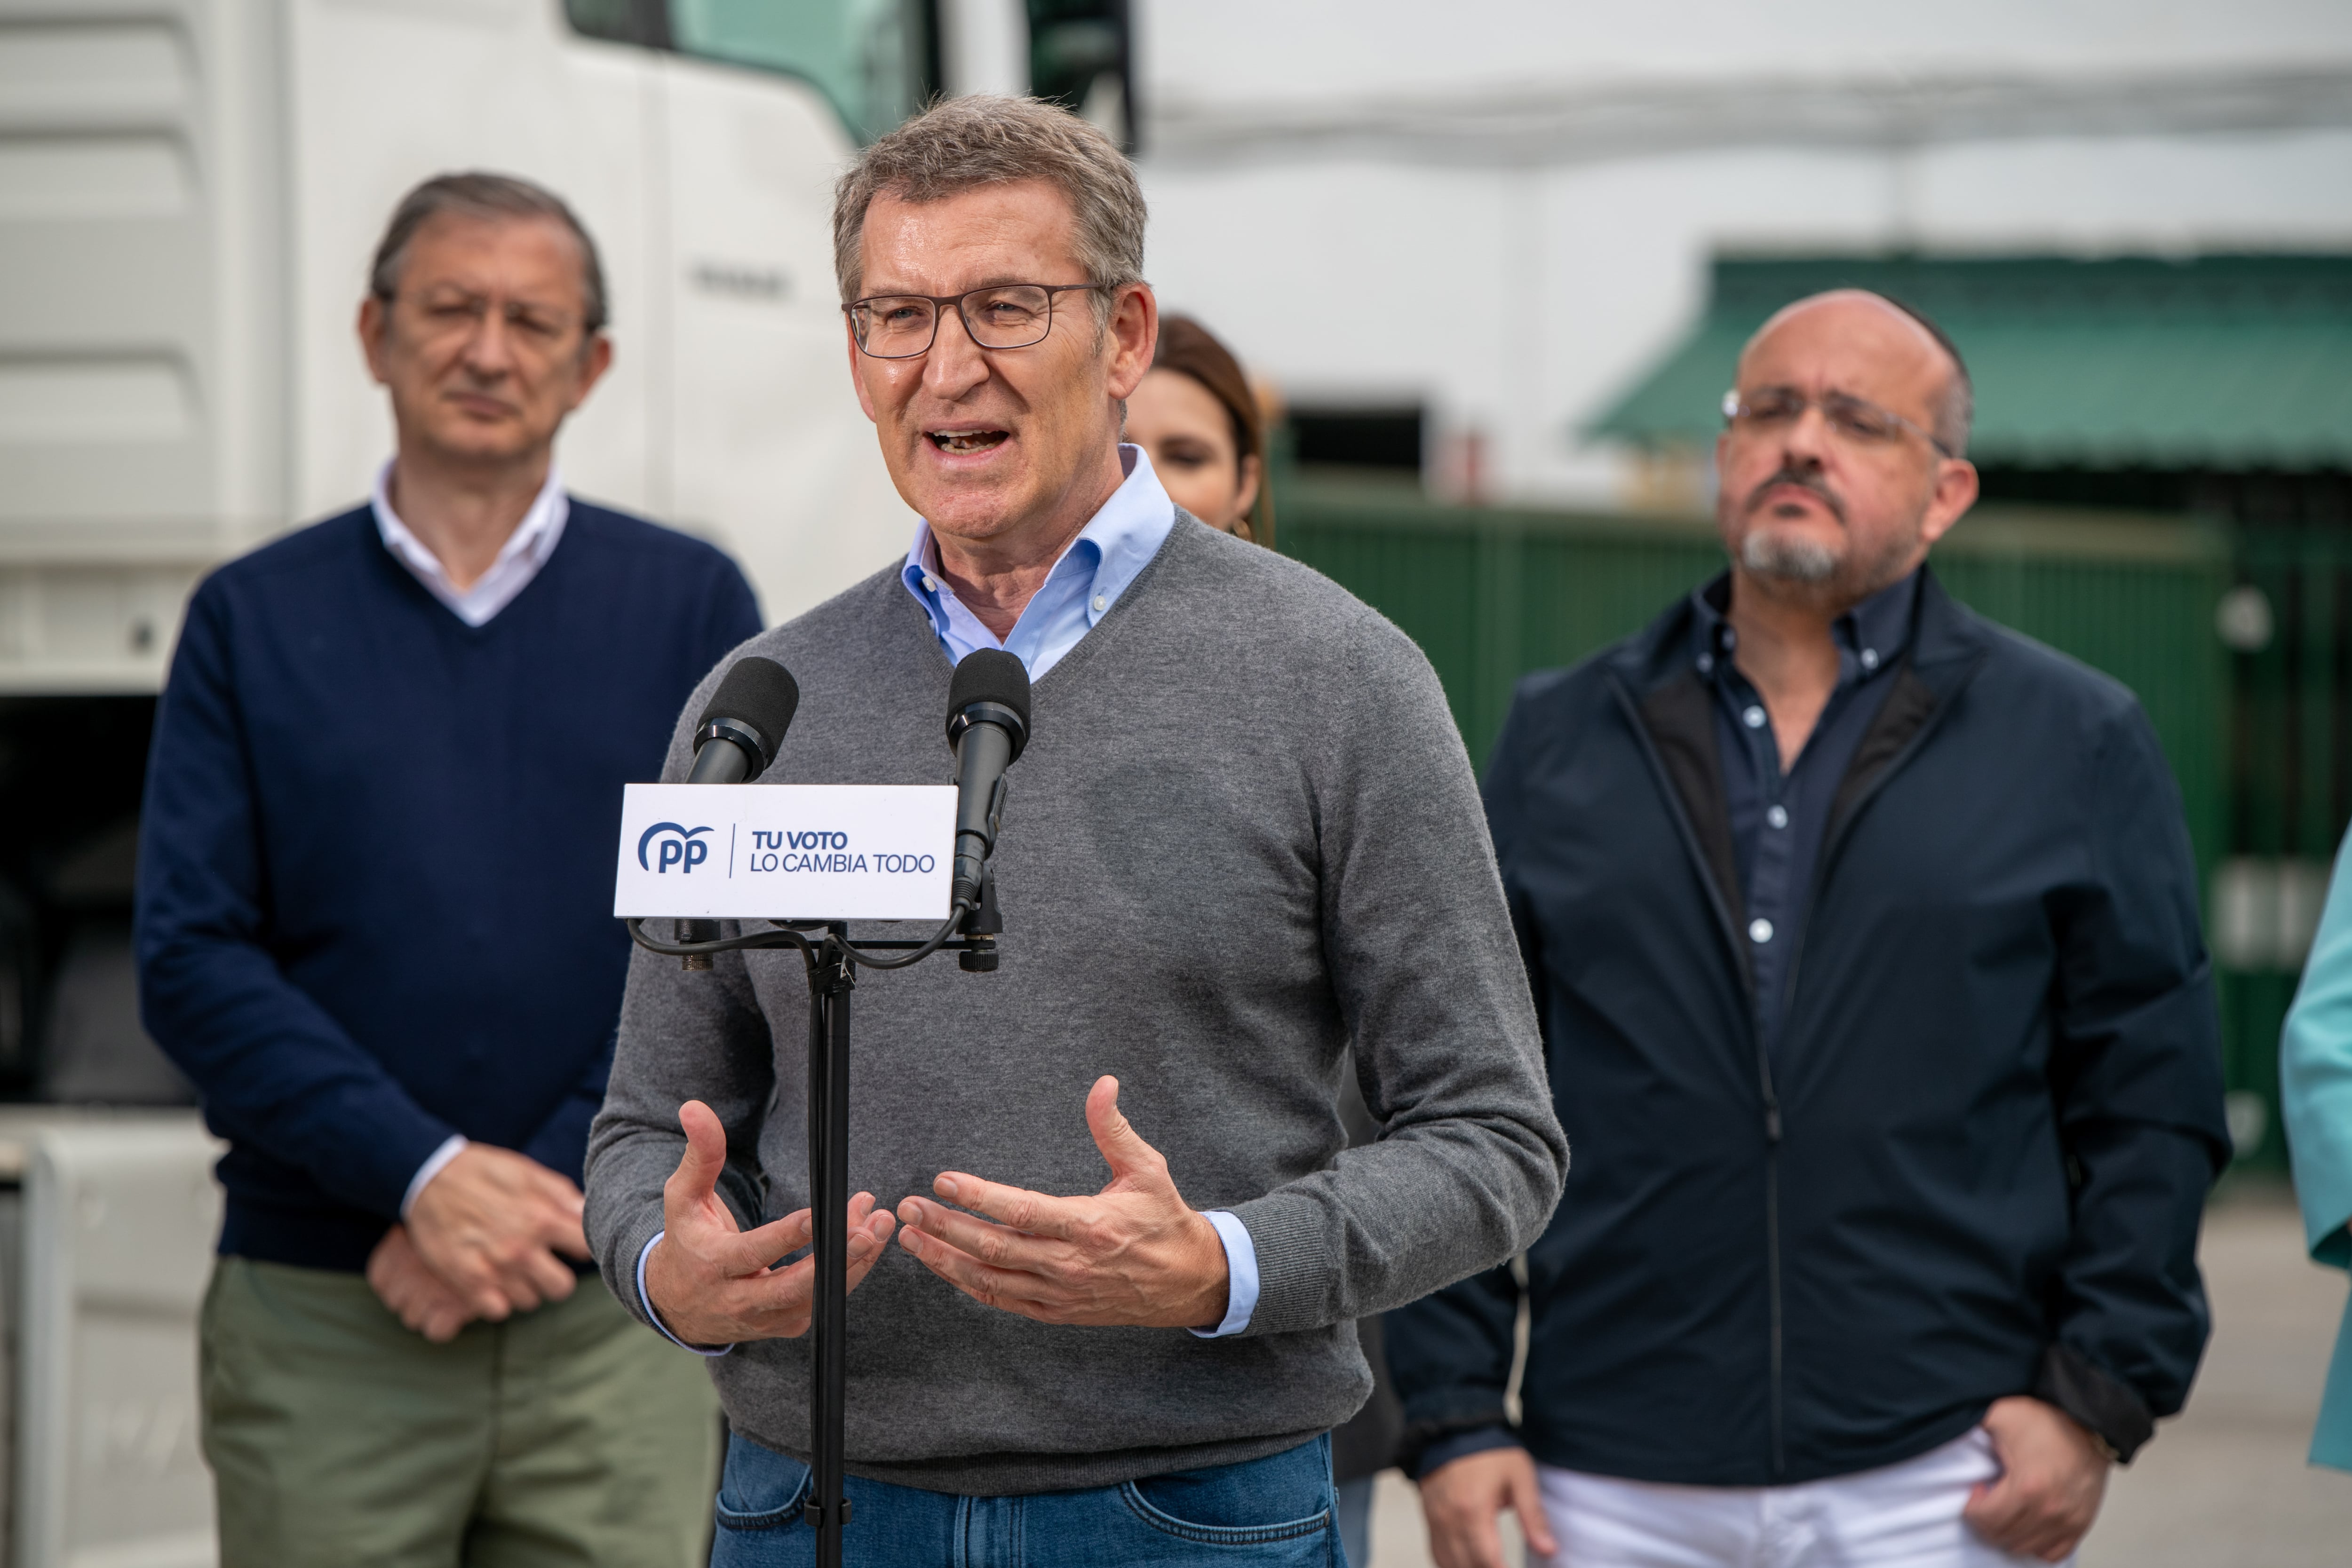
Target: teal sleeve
x,y
2315,1077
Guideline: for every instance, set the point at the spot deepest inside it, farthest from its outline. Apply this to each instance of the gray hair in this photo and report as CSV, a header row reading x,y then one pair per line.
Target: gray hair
x,y
962,143
496,198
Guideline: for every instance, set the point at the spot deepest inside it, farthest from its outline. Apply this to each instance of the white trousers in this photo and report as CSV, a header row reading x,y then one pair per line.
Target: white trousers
x,y
1903,1516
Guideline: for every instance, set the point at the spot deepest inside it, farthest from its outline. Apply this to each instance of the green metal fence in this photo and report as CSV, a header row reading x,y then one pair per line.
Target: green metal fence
x,y
2289,780
1493,592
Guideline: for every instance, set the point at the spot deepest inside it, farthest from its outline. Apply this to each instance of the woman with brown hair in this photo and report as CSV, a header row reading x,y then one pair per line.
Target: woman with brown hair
x,y
1196,417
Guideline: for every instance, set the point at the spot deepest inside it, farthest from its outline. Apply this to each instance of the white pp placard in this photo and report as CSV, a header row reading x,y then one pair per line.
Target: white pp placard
x,y
786,852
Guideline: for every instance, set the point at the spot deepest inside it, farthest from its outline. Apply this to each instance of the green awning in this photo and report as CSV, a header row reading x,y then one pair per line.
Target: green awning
x,y
2232,362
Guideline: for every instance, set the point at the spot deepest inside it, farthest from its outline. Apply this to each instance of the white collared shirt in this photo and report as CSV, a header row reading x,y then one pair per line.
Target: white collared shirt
x,y
526,550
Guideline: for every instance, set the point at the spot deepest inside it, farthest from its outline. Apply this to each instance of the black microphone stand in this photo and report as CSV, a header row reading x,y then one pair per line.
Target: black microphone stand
x,y
832,961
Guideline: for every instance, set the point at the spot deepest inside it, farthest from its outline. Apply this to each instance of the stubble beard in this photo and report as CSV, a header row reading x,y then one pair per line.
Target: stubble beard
x,y
1815,570
1765,552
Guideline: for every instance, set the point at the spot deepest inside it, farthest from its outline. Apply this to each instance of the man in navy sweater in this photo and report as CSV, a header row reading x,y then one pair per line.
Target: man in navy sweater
x,y
374,879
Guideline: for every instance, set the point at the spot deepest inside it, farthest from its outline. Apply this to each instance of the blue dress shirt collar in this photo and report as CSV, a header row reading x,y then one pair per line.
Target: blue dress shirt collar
x,y
1869,637
1117,542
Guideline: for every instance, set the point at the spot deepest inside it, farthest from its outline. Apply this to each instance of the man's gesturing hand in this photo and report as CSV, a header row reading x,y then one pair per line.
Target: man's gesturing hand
x,y
1132,1254
490,1225
712,1281
1461,1502
415,1294
2052,1477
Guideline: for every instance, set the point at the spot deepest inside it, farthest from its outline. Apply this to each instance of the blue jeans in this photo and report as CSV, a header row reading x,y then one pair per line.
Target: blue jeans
x,y
1274,1513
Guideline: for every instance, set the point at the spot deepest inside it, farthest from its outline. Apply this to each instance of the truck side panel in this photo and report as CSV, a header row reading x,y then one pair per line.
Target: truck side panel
x,y
773,457
141,344
391,93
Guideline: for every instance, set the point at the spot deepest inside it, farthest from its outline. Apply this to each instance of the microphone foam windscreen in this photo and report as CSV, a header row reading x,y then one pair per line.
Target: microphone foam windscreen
x,y
760,693
990,675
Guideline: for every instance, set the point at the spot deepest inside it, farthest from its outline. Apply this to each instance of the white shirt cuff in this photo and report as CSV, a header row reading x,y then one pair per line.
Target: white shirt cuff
x,y
654,1317
1241,1274
434,1163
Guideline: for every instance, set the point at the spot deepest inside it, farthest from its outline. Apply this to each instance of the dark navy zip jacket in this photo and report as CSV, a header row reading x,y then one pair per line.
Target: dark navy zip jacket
x,y
375,865
1975,1164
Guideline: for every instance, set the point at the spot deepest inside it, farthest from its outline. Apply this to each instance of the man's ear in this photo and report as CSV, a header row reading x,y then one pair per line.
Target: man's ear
x,y
595,358
1955,493
1130,337
374,321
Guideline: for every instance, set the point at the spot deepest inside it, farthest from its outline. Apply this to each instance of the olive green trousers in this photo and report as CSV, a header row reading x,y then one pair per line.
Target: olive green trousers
x,y
569,1436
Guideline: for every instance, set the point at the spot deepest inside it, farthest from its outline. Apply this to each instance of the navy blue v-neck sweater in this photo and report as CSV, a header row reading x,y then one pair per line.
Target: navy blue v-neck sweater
x,y
375,861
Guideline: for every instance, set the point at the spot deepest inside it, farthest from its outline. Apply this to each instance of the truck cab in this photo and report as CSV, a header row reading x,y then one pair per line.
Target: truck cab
x,y
190,190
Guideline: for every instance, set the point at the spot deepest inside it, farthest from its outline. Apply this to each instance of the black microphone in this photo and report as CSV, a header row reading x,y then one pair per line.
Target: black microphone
x,y
735,739
988,724
750,713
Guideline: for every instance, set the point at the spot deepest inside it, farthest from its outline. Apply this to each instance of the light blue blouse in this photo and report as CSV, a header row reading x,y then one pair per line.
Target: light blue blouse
x,y
2315,1084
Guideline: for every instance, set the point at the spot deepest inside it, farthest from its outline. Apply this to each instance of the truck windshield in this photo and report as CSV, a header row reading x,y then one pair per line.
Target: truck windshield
x,y
872,58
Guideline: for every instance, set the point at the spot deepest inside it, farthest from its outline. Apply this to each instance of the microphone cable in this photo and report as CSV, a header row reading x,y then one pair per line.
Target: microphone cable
x,y
788,935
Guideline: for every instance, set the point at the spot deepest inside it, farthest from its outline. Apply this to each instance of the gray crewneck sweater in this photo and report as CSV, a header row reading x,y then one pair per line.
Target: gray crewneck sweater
x,y
1243,834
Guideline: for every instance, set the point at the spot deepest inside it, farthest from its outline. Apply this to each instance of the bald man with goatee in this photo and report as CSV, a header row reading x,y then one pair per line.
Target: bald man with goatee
x,y
1864,937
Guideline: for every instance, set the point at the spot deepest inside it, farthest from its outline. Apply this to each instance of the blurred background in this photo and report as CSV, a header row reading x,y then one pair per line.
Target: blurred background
x,y
1491,261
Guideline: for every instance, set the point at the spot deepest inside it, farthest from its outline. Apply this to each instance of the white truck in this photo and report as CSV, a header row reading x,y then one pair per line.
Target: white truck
x,y
190,190
107,1221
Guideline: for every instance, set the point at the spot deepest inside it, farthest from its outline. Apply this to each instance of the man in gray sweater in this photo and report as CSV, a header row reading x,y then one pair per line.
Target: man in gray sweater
x,y
1243,835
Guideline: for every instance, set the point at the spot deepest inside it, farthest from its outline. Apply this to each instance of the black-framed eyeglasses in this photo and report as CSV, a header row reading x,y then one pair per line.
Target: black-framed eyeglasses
x,y
1002,316
1774,409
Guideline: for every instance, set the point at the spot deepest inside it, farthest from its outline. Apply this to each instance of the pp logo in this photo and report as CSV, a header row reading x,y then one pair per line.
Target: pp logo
x,y
680,847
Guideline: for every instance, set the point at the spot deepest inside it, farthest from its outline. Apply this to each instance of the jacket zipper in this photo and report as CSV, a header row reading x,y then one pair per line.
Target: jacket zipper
x,y
1838,830
1772,1236
1769,1090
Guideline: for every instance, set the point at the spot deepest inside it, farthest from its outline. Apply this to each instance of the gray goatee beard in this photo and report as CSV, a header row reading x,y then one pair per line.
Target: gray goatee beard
x,y
1768,554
